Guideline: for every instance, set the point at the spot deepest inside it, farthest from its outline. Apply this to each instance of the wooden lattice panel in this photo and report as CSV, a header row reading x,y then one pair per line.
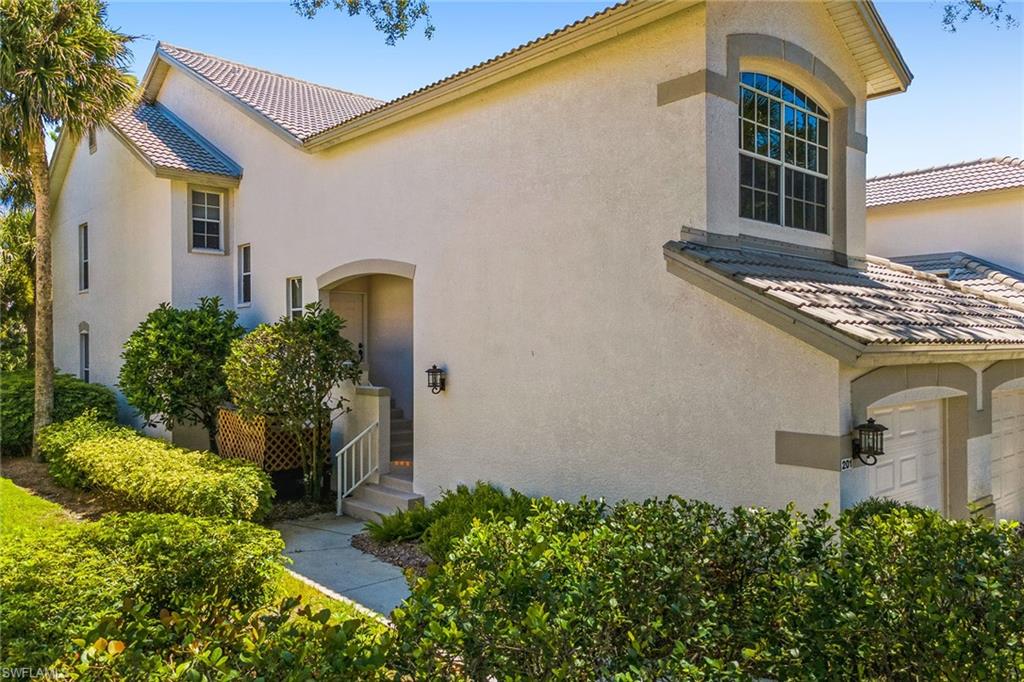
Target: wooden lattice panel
x,y
259,442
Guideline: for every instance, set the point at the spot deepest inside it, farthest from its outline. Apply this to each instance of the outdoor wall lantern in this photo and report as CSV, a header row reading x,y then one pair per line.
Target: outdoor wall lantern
x,y
435,379
869,444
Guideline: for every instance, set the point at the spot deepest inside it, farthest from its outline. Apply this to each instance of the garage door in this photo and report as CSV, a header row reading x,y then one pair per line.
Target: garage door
x,y
911,469
1008,454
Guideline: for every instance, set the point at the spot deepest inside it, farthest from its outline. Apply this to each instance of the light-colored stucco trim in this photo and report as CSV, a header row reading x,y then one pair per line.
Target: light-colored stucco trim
x,y
368,266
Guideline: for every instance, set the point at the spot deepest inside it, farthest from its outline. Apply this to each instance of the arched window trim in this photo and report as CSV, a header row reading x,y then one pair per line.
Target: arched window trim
x,y
783,154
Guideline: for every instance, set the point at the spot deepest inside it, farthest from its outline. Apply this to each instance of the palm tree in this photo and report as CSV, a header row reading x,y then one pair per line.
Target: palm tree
x,y
60,66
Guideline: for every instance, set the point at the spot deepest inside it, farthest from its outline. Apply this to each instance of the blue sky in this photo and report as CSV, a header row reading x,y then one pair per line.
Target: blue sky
x,y
967,99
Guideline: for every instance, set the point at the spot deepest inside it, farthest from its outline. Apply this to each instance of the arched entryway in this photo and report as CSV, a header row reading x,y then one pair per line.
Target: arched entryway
x,y
375,298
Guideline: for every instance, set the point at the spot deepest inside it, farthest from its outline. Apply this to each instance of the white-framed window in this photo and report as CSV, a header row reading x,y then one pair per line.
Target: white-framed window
x,y
83,257
206,220
294,286
244,274
783,140
92,139
83,354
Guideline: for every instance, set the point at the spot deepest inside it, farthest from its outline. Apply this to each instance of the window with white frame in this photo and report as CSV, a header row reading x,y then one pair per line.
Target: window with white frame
x,y
244,274
83,257
207,214
783,137
92,139
83,354
294,297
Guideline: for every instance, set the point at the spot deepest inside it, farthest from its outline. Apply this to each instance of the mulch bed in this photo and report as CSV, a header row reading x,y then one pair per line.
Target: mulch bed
x,y
402,554
297,509
35,477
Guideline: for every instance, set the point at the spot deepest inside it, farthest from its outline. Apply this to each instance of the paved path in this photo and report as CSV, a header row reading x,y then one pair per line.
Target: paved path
x,y
321,549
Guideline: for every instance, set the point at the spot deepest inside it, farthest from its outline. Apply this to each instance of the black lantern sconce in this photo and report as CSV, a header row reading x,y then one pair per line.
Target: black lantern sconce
x,y
435,379
869,444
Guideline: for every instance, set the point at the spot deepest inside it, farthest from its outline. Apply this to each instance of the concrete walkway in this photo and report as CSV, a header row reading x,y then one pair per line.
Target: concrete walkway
x,y
321,549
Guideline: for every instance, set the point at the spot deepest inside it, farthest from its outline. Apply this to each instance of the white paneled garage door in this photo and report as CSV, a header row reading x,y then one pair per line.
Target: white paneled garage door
x,y
911,469
1008,454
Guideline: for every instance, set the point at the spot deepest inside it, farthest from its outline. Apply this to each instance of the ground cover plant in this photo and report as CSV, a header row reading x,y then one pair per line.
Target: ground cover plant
x,y
439,525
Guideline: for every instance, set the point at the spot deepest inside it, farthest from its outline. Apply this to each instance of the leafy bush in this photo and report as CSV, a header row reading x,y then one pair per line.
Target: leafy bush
x,y
56,440
211,639
683,590
55,584
451,517
148,474
71,397
173,370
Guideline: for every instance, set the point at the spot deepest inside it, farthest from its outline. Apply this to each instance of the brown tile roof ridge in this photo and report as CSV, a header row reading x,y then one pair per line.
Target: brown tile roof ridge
x,y
165,44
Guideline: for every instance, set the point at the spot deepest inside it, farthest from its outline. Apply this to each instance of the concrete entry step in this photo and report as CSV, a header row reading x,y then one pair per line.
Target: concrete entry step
x,y
399,479
363,510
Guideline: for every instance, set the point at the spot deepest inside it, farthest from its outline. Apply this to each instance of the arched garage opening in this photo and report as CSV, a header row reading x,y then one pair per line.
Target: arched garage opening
x,y
1007,450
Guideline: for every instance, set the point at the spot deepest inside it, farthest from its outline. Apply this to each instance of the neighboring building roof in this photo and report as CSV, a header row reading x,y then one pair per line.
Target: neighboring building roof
x,y
968,177
885,305
301,108
168,145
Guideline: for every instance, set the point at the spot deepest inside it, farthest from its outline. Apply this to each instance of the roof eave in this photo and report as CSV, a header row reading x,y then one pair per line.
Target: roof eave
x,y
888,48
819,335
168,173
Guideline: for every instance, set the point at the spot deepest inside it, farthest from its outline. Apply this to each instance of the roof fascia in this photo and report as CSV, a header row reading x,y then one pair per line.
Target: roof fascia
x,y
887,46
63,152
616,23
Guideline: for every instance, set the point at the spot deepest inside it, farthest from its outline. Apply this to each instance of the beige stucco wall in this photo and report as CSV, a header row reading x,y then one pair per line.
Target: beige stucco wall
x,y
535,213
128,212
989,225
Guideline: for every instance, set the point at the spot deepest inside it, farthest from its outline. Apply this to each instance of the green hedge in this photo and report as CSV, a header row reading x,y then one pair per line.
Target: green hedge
x,y
57,584
148,474
71,397
683,590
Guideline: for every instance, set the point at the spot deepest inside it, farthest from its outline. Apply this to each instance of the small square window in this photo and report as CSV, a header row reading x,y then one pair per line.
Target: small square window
x,y
207,220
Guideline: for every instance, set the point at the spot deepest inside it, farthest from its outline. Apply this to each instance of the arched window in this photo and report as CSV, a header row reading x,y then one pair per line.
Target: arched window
x,y
783,155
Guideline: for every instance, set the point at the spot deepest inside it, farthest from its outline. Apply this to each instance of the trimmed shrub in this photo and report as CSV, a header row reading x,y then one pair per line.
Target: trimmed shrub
x,y
71,398
56,584
56,440
210,639
683,590
442,523
148,474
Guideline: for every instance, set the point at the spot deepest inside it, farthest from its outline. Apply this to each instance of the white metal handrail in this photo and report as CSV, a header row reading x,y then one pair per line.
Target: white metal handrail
x,y
357,461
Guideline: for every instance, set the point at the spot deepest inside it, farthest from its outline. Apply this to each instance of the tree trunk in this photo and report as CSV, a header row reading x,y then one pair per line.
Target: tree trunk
x,y
211,430
44,286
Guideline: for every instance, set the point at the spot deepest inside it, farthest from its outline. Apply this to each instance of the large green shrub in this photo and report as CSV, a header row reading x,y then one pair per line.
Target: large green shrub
x,y
56,584
173,369
71,397
211,639
683,590
442,523
148,474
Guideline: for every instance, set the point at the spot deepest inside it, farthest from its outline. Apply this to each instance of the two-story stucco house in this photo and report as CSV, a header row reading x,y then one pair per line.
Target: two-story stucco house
x,y
635,245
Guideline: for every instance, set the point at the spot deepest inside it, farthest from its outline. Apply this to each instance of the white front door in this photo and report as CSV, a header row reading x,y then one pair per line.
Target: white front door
x,y
911,469
1008,454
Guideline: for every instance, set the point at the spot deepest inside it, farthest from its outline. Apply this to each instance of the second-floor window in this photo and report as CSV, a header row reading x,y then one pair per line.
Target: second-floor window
x,y
294,297
83,257
207,212
92,139
244,274
783,155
